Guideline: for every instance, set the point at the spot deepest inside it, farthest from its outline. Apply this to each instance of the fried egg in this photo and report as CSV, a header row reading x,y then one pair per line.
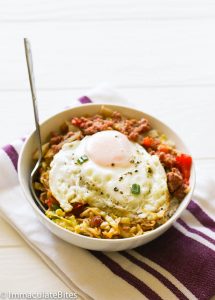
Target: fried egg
x,y
109,172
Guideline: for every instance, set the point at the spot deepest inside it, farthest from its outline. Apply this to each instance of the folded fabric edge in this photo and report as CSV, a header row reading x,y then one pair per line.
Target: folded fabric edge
x,y
62,276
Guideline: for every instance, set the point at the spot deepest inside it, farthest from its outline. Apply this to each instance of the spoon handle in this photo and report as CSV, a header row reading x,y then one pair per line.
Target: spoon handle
x,y
33,92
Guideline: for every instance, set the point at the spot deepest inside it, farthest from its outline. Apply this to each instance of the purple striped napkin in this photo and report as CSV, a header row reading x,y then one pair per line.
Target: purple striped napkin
x,y
178,265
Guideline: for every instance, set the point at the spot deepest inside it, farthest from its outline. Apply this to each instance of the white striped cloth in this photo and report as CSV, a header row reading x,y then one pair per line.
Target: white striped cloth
x,y
178,265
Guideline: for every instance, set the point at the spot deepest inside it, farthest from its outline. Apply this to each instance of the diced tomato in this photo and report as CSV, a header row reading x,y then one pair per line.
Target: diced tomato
x,y
147,141
164,148
76,121
184,163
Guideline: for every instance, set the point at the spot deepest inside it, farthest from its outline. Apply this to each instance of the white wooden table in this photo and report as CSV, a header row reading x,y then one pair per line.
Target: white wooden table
x,y
159,54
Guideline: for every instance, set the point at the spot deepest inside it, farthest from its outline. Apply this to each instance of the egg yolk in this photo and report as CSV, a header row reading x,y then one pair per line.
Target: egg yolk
x,y
109,148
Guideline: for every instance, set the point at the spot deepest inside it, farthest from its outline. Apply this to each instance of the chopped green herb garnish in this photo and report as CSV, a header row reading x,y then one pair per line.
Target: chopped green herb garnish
x,y
82,159
150,171
116,189
55,206
135,189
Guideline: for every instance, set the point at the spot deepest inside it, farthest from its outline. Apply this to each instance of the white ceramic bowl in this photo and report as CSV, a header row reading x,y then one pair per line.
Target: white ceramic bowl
x,y
25,166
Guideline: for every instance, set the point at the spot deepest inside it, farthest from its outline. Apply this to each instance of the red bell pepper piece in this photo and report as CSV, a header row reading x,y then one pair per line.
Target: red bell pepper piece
x,y
184,163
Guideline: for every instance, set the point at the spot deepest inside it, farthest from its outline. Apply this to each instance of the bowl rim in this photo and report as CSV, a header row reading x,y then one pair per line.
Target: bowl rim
x,y
157,230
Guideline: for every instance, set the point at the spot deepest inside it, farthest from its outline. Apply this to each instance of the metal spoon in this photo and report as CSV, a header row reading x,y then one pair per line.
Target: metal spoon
x,y
38,134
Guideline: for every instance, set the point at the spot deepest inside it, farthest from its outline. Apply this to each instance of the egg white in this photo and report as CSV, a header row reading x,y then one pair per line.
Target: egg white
x,y
109,188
